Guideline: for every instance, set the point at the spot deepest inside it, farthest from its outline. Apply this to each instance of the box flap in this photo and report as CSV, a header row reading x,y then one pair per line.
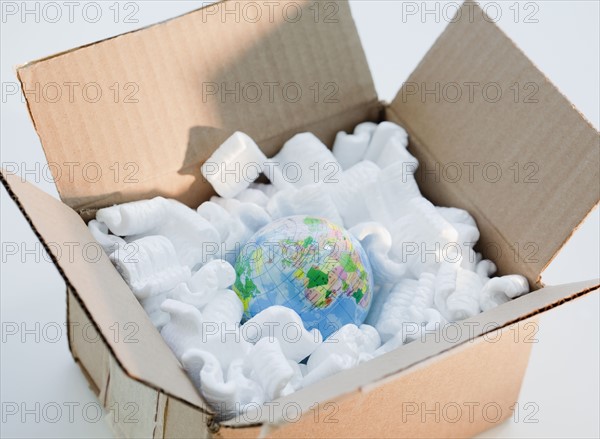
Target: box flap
x,y
88,272
365,375
136,115
495,137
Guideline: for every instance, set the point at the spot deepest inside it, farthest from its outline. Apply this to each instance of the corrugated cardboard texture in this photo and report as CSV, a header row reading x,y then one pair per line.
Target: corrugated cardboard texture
x,y
170,131
410,355
457,394
548,155
104,295
52,221
394,407
135,409
179,71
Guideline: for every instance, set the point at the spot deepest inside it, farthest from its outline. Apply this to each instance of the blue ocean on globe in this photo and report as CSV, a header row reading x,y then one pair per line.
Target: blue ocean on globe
x,y
310,265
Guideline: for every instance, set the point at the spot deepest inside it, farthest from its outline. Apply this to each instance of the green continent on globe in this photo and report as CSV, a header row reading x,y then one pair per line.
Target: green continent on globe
x,y
310,265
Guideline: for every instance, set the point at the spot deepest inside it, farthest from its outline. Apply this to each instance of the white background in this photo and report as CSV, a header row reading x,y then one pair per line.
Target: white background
x,y
563,377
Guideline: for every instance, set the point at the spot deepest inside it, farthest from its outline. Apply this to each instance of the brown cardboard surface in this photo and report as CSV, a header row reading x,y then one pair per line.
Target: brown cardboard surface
x,y
353,380
134,408
456,394
171,69
170,131
102,292
524,218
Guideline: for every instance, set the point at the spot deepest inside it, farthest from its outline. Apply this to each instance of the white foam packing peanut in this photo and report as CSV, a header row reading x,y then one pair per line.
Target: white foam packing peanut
x,y
189,329
234,165
285,325
499,290
225,308
108,242
254,196
423,238
207,375
205,284
134,218
377,242
344,349
467,234
151,305
349,195
349,149
247,390
184,271
408,307
303,160
395,135
349,340
331,365
365,127
268,189
270,366
312,199
390,196
457,292
238,222
150,266
188,232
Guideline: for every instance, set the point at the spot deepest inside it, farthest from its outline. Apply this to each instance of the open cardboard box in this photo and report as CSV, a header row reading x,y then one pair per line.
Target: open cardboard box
x,y
456,384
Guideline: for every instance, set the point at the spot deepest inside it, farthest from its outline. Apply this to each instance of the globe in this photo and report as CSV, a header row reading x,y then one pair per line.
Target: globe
x,y
310,265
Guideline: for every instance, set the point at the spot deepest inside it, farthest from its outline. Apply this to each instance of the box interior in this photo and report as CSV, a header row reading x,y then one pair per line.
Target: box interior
x,y
177,124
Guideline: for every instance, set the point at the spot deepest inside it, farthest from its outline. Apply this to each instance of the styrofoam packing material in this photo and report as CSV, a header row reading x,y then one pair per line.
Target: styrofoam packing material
x,y
384,133
215,275
422,237
468,235
349,194
349,149
380,296
108,242
457,291
188,329
285,325
348,341
377,242
234,165
238,222
247,390
406,306
303,160
373,194
272,370
188,232
152,307
255,196
312,199
134,218
499,290
268,189
365,127
150,266
203,286
331,365
389,196
207,375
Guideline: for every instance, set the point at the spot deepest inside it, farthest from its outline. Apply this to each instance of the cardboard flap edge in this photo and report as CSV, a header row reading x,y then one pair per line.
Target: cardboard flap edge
x,y
43,212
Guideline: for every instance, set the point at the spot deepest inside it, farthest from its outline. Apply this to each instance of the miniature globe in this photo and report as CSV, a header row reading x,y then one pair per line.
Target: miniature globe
x,y
310,265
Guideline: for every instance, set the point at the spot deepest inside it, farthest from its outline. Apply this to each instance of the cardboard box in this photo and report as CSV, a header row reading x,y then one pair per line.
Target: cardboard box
x,y
182,73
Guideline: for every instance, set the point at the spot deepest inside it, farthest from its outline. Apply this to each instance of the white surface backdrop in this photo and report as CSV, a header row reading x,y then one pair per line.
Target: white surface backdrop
x,y
39,375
